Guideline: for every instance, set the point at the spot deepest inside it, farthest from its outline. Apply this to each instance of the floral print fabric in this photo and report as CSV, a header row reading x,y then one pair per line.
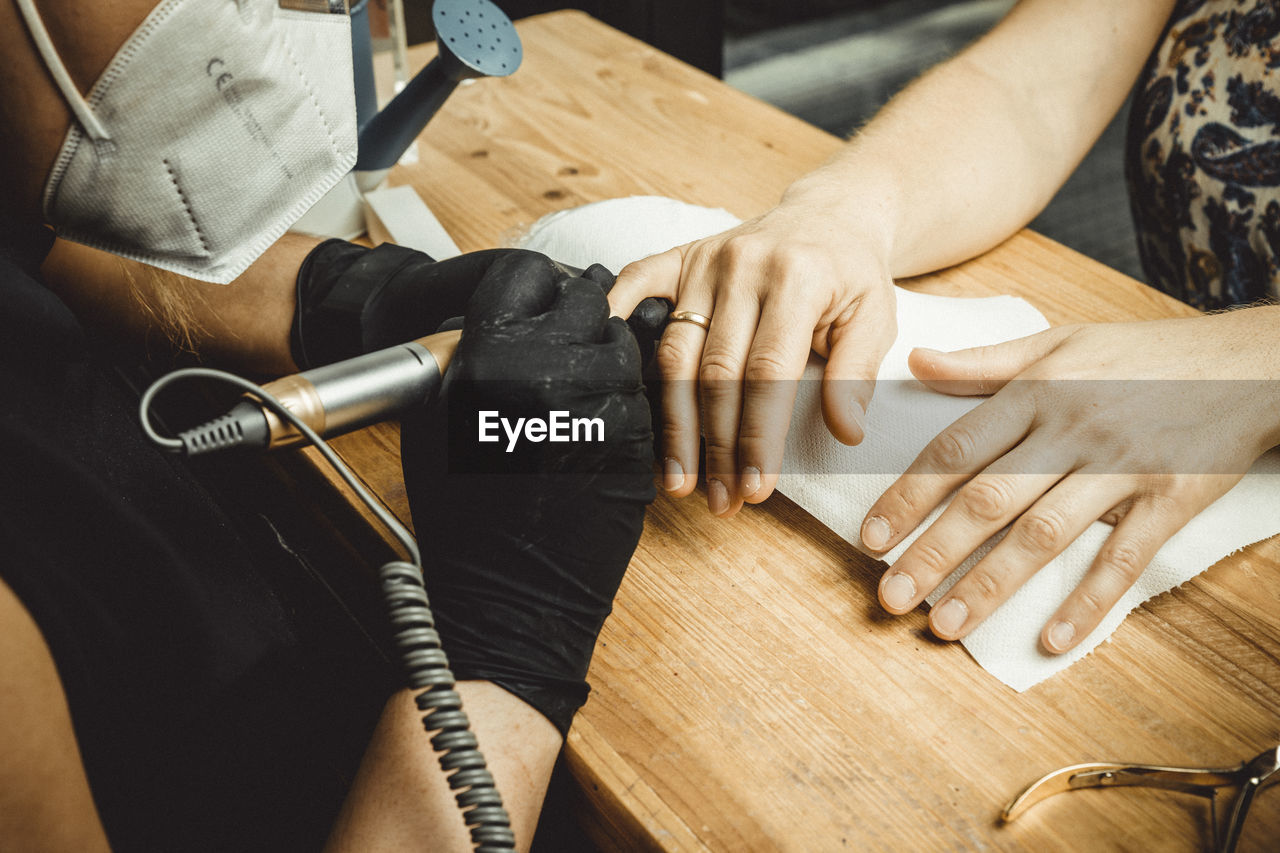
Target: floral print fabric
x,y
1203,154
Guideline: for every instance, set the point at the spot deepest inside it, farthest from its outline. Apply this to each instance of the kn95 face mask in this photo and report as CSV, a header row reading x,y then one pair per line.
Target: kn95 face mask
x,y
215,126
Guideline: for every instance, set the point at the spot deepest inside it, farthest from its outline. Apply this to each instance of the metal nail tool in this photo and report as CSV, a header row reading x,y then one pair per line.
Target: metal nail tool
x,y
1249,777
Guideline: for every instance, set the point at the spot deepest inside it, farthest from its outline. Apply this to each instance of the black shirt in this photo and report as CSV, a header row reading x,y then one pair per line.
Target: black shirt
x,y
220,699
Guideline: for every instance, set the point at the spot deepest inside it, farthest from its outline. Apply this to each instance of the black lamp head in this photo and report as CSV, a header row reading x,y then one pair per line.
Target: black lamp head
x,y
476,38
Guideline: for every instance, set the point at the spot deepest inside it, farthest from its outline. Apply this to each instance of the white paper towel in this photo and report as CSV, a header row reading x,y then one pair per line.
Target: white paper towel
x,y
838,484
616,232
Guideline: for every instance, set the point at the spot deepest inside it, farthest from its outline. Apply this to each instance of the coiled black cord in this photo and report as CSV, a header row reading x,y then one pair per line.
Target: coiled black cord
x,y
441,706
413,626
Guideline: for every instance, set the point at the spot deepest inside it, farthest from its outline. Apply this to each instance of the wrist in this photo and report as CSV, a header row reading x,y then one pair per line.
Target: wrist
x,y
338,285
326,314
1264,322
1248,343
856,206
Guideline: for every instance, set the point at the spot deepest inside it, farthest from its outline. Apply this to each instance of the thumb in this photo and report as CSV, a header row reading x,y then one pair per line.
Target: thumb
x,y
852,364
982,370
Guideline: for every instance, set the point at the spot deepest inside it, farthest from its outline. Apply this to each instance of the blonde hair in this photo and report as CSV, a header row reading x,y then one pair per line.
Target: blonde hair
x,y
169,302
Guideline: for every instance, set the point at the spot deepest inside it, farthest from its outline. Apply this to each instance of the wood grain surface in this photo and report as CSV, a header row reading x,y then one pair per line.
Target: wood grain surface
x,y
749,693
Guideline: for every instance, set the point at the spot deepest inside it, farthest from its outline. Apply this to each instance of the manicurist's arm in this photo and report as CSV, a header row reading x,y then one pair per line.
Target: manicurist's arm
x,y
45,803
400,800
305,302
243,325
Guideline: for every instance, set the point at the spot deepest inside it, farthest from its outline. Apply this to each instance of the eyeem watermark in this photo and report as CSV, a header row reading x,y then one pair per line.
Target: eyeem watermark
x,y
556,427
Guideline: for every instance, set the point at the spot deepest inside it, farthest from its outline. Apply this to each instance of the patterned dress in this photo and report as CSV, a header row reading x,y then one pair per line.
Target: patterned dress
x,y
1203,154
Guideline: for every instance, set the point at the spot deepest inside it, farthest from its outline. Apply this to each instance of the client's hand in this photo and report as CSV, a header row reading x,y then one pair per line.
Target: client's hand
x,y
774,288
527,526
1139,424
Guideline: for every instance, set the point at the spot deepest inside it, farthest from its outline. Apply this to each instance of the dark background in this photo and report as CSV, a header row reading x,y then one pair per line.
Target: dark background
x,y
692,30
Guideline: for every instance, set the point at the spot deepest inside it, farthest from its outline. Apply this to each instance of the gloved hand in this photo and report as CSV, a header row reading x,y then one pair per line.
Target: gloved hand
x,y
352,300
525,543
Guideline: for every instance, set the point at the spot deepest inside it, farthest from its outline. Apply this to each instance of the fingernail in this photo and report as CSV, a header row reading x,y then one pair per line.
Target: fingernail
x,y
717,497
930,351
750,481
1060,635
875,533
949,618
859,416
672,474
898,591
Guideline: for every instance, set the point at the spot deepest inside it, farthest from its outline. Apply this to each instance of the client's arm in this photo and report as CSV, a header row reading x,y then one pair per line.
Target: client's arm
x,y
954,164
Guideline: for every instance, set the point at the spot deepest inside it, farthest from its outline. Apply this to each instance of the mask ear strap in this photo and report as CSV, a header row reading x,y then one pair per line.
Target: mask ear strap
x,y
88,121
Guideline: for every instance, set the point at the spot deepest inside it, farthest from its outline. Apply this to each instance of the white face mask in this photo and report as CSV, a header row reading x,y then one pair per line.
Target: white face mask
x,y
216,125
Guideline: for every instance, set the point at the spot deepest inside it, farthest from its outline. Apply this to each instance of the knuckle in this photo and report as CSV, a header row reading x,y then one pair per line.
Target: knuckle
x,y
1123,561
741,252
754,437
766,363
681,421
719,367
673,436
1092,604
674,352
1043,530
983,584
931,558
1165,492
900,502
953,450
1095,430
986,499
786,263
793,255
721,456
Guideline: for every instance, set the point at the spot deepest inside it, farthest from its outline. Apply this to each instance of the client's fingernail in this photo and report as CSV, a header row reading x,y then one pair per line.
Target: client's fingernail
x,y
898,591
875,533
717,497
672,474
1060,636
949,618
859,416
930,351
750,481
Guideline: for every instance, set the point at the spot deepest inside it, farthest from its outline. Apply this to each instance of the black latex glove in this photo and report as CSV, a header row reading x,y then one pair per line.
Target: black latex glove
x,y
352,300
524,550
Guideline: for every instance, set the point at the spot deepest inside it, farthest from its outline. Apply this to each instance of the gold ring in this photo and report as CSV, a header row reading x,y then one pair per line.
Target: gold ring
x,y
691,317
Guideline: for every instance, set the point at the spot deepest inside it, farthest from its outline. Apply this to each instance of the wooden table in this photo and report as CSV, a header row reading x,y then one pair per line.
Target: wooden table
x,y
749,693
